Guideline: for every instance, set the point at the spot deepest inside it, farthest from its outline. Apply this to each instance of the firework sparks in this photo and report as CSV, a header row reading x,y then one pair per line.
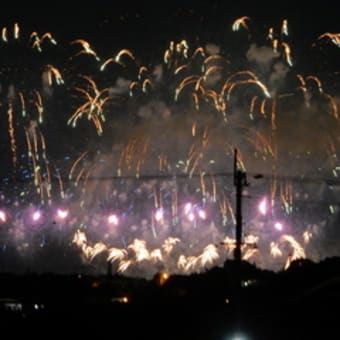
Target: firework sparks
x,y
151,190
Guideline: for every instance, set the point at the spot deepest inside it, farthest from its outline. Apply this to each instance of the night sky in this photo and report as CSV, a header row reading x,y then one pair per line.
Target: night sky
x,y
147,18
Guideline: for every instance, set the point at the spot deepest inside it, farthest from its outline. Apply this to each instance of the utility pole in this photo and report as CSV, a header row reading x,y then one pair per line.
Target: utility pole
x,y
240,180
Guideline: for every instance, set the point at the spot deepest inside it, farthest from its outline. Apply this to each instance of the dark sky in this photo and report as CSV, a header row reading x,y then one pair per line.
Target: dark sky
x,y
145,19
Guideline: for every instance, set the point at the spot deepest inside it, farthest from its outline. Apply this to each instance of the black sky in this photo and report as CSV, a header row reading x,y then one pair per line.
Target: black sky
x,y
147,19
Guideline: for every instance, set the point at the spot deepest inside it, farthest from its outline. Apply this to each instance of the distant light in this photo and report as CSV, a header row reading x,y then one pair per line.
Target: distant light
x,y
263,207
159,215
165,276
124,299
237,336
36,215
187,208
278,226
62,213
113,219
202,214
120,299
2,216
191,216
13,306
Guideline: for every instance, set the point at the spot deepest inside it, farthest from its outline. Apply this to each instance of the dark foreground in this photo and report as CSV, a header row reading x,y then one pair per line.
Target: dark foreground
x,y
300,303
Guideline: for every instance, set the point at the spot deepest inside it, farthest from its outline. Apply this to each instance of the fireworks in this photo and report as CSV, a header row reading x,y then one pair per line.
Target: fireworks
x,y
147,177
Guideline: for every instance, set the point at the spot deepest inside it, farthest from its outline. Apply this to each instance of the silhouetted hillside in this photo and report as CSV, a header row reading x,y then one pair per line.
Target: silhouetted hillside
x,y
294,304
